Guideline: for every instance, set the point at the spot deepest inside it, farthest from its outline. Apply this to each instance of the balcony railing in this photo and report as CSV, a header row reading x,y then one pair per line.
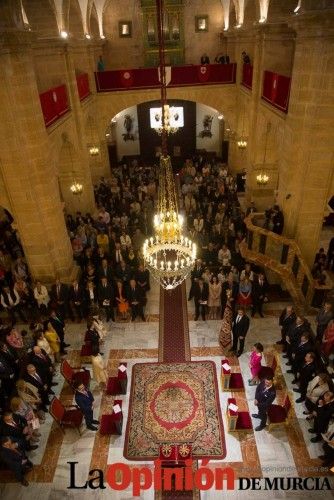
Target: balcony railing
x,y
54,104
83,86
283,256
247,76
276,90
148,78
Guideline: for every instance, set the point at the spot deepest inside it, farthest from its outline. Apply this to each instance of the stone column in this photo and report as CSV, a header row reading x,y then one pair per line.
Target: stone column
x,y
27,173
266,56
307,167
84,203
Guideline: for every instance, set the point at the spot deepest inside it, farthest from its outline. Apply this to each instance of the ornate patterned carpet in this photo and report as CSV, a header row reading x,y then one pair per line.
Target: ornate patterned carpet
x,y
174,403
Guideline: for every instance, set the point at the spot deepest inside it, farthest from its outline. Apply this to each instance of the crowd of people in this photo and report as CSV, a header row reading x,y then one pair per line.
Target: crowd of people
x,y
215,221
114,282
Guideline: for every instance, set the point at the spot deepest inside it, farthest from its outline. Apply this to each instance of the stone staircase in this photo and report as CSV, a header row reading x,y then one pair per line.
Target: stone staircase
x,y
283,256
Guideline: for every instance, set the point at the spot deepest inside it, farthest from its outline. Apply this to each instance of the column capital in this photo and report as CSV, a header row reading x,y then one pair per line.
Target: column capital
x,y
16,40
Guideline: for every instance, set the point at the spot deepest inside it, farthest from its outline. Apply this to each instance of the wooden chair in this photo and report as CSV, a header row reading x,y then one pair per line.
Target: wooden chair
x,y
279,414
238,420
230,381
66,416
73,375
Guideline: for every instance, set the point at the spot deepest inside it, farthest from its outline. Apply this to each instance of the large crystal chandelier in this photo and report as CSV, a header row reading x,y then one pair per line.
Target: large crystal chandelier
x,y
168,254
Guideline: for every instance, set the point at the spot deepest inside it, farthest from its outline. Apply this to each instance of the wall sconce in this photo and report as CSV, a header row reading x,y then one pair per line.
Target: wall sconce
x,y
125,29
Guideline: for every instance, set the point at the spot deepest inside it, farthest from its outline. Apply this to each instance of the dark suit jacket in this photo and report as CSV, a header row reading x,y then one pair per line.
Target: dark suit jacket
x,y
258,291
31,380
234,289
42,366
240,329
63,293
295,332
286,323
201,294
306,374
264,398
324,414
15,432
300,352
84,402
13,458
105,293
106,273
135,295
58,324
77,296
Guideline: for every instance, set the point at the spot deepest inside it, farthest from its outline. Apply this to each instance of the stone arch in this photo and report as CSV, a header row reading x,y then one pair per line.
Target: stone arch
x,y
252,12
75,21
223,100
279,11
93,23
41,17
233,16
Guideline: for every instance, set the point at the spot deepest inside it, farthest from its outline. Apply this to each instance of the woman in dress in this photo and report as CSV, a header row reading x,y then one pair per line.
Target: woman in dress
x,y
41,296
121,300
54,343
99,371
245,293
255,363
327,345
215,289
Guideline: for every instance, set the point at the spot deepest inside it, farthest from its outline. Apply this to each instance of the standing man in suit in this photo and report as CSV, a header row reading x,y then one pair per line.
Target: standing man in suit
x,y
59,296
264,397
136,299
259,295
196,273
286,320
240,328
106,298
15,459
232,286
201,295
306,373
322,319
58,325
77,298
85,399
43,365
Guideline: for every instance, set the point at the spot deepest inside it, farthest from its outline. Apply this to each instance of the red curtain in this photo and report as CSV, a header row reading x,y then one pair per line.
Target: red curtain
x,y
276,90
247,75
54,103
83,86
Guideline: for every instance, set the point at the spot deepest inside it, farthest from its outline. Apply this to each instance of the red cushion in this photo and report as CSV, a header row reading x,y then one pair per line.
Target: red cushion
x,y
277,414
244,421
106,424
113,386
236,381
72,417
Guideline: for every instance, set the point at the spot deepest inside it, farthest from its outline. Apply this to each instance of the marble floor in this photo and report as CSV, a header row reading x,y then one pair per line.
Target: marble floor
x,y
282,452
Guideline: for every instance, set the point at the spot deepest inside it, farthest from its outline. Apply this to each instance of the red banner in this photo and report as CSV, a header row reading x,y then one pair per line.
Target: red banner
x,y
203,73
276,90
83,86
126,78
54,104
